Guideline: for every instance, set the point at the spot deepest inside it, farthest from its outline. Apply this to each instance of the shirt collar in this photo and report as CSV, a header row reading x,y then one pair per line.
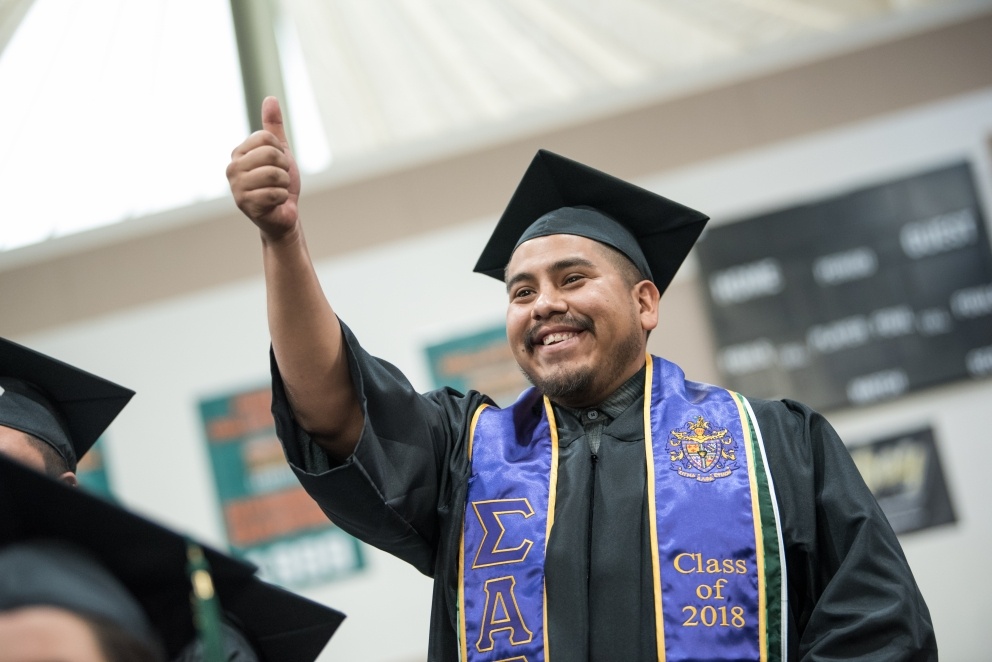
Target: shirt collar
x,y
570,420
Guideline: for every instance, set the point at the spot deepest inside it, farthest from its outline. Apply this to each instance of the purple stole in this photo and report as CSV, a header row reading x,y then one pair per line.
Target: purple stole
x,y
717,553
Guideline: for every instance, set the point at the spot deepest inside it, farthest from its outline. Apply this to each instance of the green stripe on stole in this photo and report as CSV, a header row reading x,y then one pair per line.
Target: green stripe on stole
x,y
775,578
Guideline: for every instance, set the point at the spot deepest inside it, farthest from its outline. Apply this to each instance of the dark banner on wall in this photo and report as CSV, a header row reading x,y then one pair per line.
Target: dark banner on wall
x,y
270,519
857,298
905,475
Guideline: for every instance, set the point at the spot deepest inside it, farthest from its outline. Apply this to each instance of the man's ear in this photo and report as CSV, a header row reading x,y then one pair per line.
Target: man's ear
x,y
647,296
69,479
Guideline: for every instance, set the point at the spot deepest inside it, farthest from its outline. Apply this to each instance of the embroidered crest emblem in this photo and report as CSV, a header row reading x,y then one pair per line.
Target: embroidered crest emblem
x,y
699,452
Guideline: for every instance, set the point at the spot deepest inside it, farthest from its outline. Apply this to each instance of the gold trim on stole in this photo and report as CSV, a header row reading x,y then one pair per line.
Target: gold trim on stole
x,y
659,616
463,643
552,494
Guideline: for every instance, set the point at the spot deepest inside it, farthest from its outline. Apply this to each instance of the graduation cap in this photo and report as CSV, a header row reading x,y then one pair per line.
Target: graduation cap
x,y
55,573
561,196
64,406
154,566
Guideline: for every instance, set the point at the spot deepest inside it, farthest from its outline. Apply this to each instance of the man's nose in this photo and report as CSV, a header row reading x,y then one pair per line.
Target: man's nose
x,y
548,303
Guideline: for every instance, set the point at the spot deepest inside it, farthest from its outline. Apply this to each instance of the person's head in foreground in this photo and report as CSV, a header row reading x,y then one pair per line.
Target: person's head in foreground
x,y
51,413
84,580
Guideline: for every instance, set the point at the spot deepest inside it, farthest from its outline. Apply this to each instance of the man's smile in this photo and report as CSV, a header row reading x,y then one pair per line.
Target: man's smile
x,y
554,333
553,338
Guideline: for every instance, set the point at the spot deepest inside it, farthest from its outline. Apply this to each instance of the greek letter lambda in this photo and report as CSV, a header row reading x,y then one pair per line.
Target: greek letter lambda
x,y
502,613
491,514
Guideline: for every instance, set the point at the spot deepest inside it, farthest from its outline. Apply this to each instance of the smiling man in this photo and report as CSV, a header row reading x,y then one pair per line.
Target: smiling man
x,y
616,511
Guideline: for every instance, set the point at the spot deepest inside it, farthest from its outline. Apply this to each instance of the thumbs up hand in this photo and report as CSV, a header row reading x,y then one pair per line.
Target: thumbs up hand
x,y
264,178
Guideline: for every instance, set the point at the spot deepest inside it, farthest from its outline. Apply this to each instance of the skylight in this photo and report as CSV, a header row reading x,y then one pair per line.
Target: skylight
x,y
114,110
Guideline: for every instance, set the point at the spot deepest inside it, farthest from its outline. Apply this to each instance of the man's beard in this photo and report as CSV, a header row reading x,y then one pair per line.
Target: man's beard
x,y
574,385
563,385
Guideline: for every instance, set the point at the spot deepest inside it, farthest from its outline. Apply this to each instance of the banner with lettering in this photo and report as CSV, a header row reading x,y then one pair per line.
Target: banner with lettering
x,y
856,298
904,473
270,519
480,361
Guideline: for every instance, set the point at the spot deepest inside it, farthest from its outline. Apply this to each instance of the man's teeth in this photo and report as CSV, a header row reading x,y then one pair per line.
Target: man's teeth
x,y
552,338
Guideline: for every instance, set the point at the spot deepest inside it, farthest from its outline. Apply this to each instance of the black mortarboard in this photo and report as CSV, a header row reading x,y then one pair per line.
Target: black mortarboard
x,y
56,573
64,406
151,563
561,196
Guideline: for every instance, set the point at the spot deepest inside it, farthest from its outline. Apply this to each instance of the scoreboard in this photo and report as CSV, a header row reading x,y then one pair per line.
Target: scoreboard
x,y
856,298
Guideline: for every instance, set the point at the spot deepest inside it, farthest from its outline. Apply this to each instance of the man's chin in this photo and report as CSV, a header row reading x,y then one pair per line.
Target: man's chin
x,y
563,385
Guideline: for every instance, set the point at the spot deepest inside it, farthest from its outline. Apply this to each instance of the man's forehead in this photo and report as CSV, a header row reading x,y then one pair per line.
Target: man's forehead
x,y
16,445
47,633
9,433
550,250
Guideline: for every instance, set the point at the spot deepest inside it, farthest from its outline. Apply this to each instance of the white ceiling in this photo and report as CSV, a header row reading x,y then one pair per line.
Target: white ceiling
x,y
386,72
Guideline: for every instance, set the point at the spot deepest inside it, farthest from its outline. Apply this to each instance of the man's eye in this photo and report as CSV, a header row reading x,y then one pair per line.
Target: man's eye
x,y
573,278
523,292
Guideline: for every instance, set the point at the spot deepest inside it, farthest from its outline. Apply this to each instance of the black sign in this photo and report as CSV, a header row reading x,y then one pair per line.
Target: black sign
x,y
904,473
857,298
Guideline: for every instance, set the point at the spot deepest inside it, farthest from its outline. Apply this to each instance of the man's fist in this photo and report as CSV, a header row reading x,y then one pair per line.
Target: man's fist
x,y
264,179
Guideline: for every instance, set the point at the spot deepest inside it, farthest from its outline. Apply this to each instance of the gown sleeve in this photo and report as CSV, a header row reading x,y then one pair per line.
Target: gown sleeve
x,y
852,595
397,485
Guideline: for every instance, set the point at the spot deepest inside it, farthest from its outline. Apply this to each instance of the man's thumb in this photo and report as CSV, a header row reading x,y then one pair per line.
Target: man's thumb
x,y
272,118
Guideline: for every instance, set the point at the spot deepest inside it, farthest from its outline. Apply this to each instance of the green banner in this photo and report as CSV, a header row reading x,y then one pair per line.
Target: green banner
x,y
479,361
270,519
92,472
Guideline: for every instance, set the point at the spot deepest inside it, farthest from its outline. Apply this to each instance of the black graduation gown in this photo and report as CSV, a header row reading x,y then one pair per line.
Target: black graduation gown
x,y
851,592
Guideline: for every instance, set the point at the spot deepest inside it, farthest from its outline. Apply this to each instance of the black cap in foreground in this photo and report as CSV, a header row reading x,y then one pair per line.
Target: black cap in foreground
x,y
64,406
561,196
56,573
152,563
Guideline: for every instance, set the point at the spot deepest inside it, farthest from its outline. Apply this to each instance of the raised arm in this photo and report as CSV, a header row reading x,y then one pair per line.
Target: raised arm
x,y
306,335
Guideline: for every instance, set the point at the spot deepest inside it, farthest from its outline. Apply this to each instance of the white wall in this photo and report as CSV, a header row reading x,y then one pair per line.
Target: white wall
x,y
402,296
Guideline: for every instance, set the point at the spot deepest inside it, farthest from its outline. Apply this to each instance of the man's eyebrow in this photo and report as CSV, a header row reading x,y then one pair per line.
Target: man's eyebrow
x,y
560,265
516,279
